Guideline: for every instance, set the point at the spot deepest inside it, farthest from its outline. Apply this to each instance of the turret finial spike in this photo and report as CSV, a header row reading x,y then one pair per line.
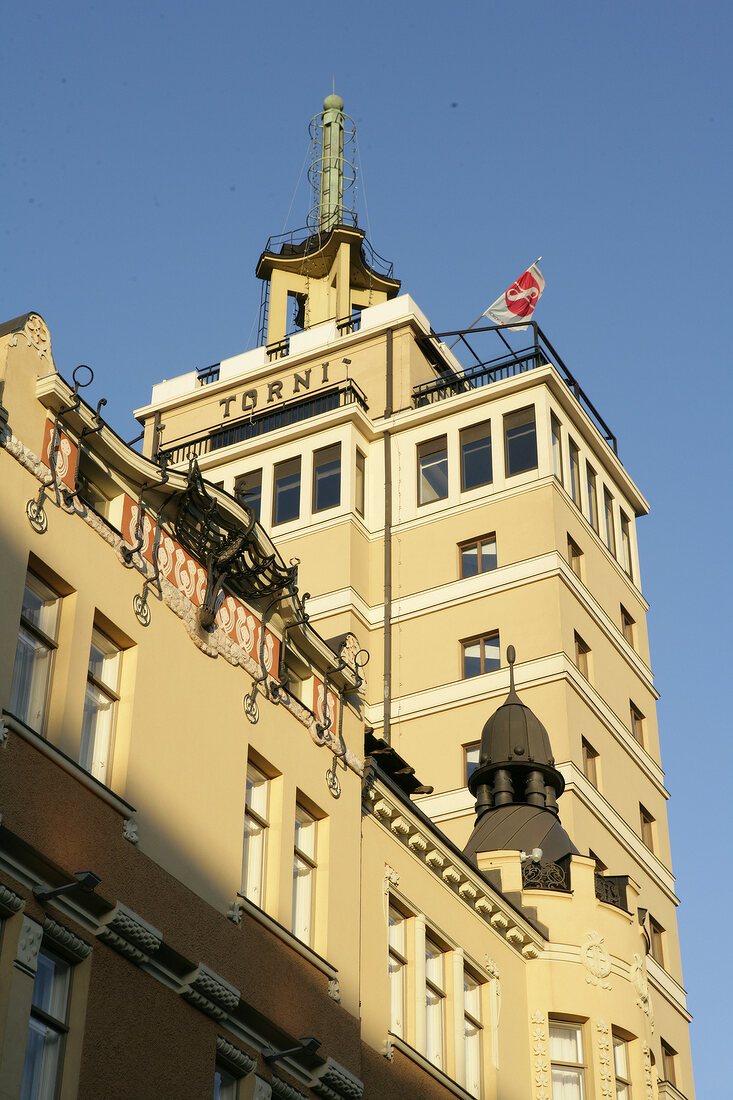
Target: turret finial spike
x,y
511,656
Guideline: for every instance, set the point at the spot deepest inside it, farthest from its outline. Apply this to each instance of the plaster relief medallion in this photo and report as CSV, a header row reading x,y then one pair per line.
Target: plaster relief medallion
x,y
596,960
641,985
37,335
391,878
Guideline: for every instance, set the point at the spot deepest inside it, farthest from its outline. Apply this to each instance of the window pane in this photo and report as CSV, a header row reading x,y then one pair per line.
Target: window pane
x,y
256,796
225,1085
592,499
248,488
433,963
104,660
472,659
620,1059
432,466
40,606
397,995
31,675
476,468
626,543
488,555
254,860
574,473
567,1084
471,996
359,492
305,832
492,655
434,1027
610,529
520,437
565,1044
469,560
556,449
472,758
396,930
51,986
286,499
302,899
473,1057
96,731
327,478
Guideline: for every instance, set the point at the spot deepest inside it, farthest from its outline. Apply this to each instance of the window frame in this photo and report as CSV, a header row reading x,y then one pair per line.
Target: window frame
x,y
58,1025
481,639
424,451
311,862
262,821
516,413
466,748
646,827
578,1068
89,756
609,521
438,988
296,464
669,1064
637,723
478,543
48,642
574,556
627,626
574,459
360,483
591,483
556,442
590,767
656,940
332,448
241,496
475,1021
618,1041
398,953
582,655
626,563
464,442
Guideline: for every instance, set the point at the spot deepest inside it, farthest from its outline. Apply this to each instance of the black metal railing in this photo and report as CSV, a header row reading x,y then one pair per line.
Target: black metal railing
x,y
545,874
308,239
289,412
485,371
207,375
278,350
345,325
612,889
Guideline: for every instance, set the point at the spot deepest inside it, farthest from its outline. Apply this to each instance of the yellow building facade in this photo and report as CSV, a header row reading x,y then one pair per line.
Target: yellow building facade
x,y
422,501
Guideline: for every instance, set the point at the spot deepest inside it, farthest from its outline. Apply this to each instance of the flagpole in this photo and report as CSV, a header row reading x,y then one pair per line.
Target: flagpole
x,y
484,313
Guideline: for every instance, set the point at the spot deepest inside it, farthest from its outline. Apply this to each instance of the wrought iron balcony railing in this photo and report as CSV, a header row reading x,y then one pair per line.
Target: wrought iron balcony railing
x,y
249,427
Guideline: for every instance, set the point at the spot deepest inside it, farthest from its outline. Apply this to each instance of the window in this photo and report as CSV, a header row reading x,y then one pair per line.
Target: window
x,y
520,441
478,556
248,488
34,656
637,723
574,472
397,970
647,827
100,706
476,466
256,822
471,759
656,946
327,478
432,470
669,1069
590,769
304,872
225,1084
610,529
286,495
566,1056
574,556
581,655
590,476
434,1003
556,447
472,1032
626,544
47,1028
359,487
621,1068
627,626
481,655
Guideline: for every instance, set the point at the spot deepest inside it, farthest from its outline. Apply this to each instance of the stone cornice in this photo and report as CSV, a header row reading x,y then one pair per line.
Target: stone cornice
x,y
239,1060
130,934
66,941
10,902
430,848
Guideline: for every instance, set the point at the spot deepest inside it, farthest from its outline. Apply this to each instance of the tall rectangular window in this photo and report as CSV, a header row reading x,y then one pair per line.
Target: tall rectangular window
x,y
286,491
225,1084
304,874
256,823
621,1069
656,937
574,557
669,1063
481,655
432,470
47,1028
590,476
646,827
627,626
476,468
39,618
100,706
626,543
472,1033
637,723
520,441
581,655
566,1056
327,478
360,483
478,556
434,1003
574,472
470,760
556,447
397,971
248,488
590,768
610,528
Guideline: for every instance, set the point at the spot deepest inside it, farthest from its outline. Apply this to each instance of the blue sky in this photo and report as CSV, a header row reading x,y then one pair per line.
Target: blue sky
x,y
150,149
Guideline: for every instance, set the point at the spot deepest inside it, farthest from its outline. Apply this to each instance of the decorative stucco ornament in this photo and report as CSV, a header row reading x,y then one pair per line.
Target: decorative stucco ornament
x,y
541,1063
37,336
641,985
604,1057
596,960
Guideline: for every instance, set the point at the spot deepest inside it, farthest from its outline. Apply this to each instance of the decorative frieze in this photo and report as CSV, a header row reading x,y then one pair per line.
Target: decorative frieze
x,y
483,906
500,920
452,875
211,993
66,941
604,1058
515,936
541,1061
418,843
467,891
334,1082
130,934
382,809
10,902
400,825
596,960
434,859
238,1059
284,1091
29,944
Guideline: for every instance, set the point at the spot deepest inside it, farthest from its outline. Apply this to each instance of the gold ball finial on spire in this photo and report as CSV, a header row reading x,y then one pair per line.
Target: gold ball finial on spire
x,y
333,102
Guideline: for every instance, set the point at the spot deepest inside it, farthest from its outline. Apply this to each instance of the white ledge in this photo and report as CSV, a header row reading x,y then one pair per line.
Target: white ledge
x,y
420,1060
287,937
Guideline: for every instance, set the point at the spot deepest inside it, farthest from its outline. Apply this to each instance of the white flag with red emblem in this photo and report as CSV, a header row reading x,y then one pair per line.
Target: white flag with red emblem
x,y
518,302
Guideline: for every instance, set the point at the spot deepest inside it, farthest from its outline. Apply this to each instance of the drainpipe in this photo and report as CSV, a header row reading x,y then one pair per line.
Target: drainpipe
x,y
388,547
